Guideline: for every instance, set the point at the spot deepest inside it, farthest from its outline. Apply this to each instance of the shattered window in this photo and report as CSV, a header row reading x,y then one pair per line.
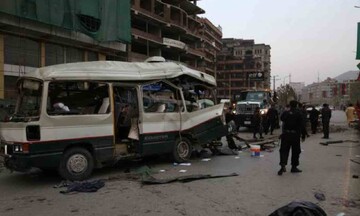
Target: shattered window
x,y
199,98
161,97
77,98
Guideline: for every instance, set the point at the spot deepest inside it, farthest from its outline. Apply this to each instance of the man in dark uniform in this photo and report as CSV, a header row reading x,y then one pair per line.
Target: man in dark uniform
x,y
325,117
314,118
290,138
257,123
272,116
229,118
304,118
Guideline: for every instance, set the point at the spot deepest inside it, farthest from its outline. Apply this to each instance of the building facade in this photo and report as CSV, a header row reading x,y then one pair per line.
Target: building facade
x,y
41,33
333,92
173,29
242,65
298,87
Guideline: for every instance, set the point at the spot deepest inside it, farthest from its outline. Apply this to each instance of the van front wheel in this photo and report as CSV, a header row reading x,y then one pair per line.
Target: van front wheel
x,y
76,164
182,150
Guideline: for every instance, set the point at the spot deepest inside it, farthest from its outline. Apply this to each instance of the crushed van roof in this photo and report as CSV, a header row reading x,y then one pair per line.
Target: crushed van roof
x,y
119,71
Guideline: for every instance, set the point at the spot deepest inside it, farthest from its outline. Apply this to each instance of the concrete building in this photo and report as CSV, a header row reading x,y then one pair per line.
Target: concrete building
x,y
40,33
242,64
319,93
336,92
173,29
297,86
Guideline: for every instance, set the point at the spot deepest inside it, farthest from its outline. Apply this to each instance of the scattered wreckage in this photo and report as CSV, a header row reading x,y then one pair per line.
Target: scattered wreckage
x,y
80,116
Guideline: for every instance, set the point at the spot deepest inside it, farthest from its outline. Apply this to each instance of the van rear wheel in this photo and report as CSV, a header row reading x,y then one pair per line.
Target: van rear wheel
x,y
76,164
182,150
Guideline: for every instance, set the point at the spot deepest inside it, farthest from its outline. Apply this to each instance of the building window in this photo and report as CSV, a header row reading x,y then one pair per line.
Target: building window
x,y
92,56
54,54
74,55
21,51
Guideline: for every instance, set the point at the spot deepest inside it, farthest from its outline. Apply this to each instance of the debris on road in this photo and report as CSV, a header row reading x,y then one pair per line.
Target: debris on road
x,y
299,208
182,171
355,161
183,179
206,159
355,176
86,186
184,164
319,196
338,141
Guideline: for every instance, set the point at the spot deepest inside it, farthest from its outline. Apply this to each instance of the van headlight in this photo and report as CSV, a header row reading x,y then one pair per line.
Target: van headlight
x,y
21,148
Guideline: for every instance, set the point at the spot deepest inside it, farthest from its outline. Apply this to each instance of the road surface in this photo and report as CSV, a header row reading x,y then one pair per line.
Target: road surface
x,y
257,190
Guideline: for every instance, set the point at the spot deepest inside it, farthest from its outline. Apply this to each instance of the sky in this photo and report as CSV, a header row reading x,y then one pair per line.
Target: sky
x,y
308,38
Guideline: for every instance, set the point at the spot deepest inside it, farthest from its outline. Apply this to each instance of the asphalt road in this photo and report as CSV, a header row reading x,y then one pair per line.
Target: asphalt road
x,y
257,190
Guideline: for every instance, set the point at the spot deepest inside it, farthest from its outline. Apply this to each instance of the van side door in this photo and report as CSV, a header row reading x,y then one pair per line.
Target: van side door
x,y
162,104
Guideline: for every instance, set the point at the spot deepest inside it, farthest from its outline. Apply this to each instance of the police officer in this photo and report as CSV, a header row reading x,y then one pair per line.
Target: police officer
x,y
325,117
314,118
290,138
273,117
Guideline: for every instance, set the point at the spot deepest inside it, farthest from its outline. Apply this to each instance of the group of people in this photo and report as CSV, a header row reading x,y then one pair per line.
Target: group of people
x,y
265,123
294,130
294,119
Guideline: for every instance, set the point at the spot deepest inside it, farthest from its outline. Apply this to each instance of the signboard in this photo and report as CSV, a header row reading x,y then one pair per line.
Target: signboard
x,y
174,43
256,76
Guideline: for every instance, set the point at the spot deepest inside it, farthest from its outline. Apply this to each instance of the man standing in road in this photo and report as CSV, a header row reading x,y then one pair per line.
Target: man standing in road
x,y
257,123
350,110
272,116
325,117
304,118
314,118
290,138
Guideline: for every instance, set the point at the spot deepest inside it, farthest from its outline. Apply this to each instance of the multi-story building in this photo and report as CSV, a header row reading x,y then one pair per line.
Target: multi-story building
x,y
242,64
298,87
172,29
336,92
319,93
41,33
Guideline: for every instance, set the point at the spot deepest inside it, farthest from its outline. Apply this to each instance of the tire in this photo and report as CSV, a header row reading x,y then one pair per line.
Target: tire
x,y
182,150
76,164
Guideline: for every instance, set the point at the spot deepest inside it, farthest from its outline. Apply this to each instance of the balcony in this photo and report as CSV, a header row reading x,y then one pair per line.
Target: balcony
x,y
148,15
146,35
195,52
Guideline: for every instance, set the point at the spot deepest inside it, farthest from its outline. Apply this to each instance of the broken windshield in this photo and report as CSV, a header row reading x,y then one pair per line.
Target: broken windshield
x,y
253,96
29,99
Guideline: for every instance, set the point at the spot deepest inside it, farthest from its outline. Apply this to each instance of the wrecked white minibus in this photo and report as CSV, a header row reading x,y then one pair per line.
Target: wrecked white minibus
x,y
80,116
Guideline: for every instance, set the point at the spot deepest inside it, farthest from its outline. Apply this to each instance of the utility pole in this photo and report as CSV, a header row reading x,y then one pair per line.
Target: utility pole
x,y
289,78
274,81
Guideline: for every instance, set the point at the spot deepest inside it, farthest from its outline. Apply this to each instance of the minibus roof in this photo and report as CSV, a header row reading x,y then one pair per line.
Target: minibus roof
x,y
119,71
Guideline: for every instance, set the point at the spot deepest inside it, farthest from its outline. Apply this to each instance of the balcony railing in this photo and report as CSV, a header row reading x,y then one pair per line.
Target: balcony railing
x,y
146,35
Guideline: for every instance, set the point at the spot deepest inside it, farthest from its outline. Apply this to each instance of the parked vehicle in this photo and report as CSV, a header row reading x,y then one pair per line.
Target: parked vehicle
x,y
80,116
247,102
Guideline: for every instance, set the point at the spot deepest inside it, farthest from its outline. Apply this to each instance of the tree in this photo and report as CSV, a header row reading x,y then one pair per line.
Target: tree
x,y
285,94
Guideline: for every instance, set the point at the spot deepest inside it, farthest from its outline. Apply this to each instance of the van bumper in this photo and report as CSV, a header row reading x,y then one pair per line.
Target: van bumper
x,y
23,163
